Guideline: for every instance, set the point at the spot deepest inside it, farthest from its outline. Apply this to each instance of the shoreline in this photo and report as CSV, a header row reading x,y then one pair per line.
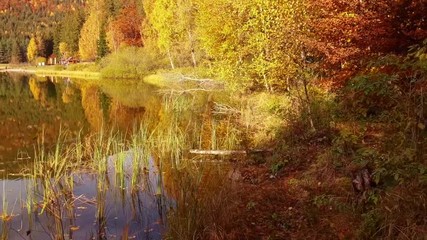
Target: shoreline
x,y
18,70
51,72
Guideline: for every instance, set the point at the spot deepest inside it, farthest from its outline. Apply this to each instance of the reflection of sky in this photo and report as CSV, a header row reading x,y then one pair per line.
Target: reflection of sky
x,y
142,212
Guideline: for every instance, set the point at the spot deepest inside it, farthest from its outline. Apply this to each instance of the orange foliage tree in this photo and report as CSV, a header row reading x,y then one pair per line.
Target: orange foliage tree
x,y
126,28
348,30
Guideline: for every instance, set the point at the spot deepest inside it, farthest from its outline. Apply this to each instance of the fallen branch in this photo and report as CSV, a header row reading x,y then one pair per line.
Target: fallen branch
x,y
225,109
228,152
196,79
206,83
183,91
217,152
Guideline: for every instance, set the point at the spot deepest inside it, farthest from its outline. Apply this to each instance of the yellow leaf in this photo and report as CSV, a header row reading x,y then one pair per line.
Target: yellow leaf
x,y
74,228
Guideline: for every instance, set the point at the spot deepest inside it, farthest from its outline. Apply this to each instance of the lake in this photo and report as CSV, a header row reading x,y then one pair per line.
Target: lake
x,y
95,160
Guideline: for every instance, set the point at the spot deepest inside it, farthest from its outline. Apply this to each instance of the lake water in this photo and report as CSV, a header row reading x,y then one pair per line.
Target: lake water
x,y
35,110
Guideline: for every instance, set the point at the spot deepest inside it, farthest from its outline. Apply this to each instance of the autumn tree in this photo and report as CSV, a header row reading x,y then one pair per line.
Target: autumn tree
x,y
69,31
170,24
112,7
4,52
41,43
32,50
185,26
161,15
16,55
102,44
256,41
90,31
20,20
346,32
64,49
125,29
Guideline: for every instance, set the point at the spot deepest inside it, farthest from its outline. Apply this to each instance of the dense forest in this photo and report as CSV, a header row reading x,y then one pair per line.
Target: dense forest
x,y
23,20
337,89
261,43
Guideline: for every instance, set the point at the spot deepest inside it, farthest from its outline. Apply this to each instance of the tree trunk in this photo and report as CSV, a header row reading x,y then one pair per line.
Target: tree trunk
x,y
310,114
193,55
266,84
170,59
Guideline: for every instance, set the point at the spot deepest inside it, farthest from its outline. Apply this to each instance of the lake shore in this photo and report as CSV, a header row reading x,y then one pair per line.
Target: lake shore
x,y
18,70
50,71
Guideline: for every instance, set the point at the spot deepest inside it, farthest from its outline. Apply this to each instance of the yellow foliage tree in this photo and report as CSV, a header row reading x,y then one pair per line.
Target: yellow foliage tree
x,y
162,17
89,35
32,50
64,49
254,41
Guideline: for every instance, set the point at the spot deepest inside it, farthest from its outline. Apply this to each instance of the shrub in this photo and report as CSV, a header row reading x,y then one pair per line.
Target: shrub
x,y
87,67
131,62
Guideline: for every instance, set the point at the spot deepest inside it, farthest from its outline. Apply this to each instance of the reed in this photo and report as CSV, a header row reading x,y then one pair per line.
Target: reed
x,y
5,217
204,203
202,192
204,200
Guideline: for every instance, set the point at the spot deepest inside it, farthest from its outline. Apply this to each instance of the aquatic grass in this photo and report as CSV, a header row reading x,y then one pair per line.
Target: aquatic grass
x,y
101,215
204,202
5,217
30,201
201,192
233,135
170,143
140,145
53,182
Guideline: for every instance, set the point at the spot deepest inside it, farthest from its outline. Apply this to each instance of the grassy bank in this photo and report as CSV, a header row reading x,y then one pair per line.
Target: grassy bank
x,y
86,71
81,70
67,73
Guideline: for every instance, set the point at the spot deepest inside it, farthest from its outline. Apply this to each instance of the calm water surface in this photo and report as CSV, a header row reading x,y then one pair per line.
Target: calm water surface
x,y
34,108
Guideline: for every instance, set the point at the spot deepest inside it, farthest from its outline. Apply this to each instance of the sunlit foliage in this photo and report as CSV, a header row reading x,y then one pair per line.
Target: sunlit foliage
x,y
32,50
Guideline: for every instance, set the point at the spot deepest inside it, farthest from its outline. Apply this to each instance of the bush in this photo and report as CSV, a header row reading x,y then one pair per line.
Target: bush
x,y
87,67
131,62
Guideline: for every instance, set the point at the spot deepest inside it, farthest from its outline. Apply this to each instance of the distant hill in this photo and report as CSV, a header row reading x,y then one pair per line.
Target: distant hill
x,y
23,19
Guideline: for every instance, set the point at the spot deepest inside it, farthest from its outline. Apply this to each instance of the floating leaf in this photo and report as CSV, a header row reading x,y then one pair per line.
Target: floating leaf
x,y
74,228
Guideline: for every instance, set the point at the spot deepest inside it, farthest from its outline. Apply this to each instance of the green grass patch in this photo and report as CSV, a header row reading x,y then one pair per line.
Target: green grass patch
x,y
81,70
67,73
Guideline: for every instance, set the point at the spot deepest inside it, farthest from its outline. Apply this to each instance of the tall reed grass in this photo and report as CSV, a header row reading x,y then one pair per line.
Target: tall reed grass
x,y
202,195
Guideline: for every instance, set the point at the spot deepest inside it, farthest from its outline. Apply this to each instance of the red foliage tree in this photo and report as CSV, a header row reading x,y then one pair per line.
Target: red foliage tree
x,y
128,26
349,30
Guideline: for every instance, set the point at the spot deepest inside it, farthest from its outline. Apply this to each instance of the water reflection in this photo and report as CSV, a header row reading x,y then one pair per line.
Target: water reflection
x,y
34,106
124,196
92,106
113,212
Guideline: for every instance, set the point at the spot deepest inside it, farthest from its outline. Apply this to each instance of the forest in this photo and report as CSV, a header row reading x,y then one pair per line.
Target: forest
x,y
333,90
